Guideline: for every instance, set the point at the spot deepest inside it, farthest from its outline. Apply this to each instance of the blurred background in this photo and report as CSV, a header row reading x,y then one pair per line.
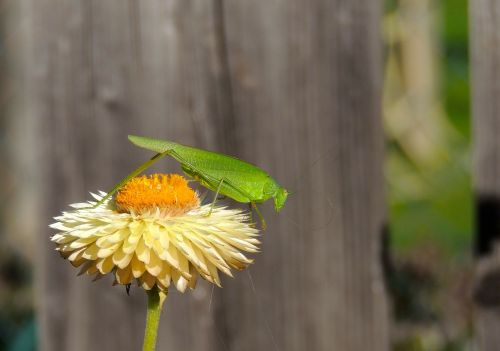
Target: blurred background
x,y
48,158
428,172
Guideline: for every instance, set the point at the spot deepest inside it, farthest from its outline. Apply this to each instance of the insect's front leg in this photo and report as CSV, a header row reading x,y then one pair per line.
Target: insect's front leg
x,y
215,197
250,209
131,175
262,220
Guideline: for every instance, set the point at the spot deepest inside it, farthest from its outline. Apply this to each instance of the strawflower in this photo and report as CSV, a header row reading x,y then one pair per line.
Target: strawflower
x,y
155,232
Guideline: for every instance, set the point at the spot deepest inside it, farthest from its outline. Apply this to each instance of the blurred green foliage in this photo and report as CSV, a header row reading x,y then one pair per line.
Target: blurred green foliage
x,y
16,308
455,64
444,218
26,338
431,202
428,172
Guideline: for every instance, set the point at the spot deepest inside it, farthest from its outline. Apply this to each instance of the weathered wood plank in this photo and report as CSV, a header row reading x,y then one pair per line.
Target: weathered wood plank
x,y
485,56
102,70
306,80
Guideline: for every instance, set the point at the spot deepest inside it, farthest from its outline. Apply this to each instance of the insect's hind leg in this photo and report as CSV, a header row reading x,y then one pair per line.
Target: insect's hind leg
x,y
211,180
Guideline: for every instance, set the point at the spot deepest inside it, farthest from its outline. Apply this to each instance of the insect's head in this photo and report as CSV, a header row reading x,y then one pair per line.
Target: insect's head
x,y
280,198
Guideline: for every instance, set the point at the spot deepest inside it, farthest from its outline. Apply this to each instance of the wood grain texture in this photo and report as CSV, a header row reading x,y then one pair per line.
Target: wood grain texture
x,y
293,86
485,56
306,81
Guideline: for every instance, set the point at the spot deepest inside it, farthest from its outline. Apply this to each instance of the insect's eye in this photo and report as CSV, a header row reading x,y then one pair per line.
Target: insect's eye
x,y
280,198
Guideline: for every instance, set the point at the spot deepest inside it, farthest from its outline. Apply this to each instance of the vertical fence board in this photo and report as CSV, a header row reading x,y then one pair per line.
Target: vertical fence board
x,y
485,56
306,82
104,70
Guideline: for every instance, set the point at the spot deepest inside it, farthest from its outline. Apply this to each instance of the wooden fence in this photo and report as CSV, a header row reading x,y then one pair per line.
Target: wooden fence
x,y
293,86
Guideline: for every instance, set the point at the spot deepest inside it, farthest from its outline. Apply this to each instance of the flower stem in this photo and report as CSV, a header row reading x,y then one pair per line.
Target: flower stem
x,y
156,297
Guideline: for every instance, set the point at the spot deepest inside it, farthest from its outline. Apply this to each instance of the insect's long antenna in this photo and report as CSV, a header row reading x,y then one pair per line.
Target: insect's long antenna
x,y
321,226
131,175
305,171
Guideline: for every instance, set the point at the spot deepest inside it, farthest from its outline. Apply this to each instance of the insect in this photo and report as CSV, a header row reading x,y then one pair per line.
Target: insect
x,y
226,175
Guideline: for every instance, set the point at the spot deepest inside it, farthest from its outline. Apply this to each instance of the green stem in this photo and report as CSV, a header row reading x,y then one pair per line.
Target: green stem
x,y
156,297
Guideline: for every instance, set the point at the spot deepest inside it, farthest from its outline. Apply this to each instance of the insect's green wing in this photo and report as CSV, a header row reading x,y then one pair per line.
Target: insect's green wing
x,y
155,145
241,180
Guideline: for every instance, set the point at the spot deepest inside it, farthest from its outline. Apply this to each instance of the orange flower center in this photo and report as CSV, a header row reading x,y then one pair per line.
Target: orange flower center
x,y
168,192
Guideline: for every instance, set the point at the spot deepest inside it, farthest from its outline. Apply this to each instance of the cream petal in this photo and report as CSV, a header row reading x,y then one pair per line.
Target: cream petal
x,y
165,276
91,252
163,237
63,238
148,237
158,248
59,225
81,242
211,254
78,262
194,256
137,267
155,264
237,264
130,244
85,267
194,278
142,251
65,248
108,251
180,282
171,255
184,267
105,265
214,274
214,258
122,259
147,281
124,276
77,254
92,268
114,238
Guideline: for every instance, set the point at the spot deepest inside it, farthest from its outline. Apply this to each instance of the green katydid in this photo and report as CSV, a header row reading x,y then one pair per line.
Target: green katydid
x,y
227,175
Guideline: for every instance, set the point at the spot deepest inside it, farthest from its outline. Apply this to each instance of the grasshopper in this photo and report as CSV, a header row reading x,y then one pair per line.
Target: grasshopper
x,y
226,175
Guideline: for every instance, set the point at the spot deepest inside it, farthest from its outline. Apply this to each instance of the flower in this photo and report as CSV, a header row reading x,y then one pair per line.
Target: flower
x,y
155,231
